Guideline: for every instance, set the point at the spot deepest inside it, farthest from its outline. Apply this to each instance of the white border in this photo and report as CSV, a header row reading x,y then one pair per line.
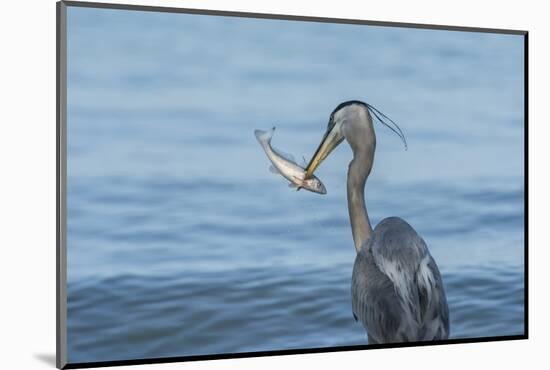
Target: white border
x,y
28,185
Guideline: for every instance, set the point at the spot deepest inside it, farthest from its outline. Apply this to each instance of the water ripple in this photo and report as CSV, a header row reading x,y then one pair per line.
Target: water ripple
x,y
132,316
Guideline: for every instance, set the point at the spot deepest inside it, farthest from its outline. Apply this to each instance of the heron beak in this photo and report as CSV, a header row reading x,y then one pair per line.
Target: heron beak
x,y
330,140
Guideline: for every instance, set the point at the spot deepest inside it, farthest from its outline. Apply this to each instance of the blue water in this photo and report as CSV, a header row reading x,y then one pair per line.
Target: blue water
x,y
181,242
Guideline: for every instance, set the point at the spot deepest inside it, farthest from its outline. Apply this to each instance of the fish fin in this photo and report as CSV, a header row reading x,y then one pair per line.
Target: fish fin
x,y
274,170
298,188
285,155
292,185
264,137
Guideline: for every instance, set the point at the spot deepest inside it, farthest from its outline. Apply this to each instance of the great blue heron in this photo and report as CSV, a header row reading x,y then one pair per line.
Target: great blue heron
x,y
397,291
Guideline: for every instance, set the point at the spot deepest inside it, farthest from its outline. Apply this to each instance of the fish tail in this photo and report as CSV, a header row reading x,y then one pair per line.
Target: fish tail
x,y
264,137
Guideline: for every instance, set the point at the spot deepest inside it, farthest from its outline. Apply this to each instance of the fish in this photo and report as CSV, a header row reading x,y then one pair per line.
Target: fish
x,y
285,165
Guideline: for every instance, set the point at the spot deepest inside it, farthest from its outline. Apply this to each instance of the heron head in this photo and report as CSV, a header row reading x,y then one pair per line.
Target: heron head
x,y
351,121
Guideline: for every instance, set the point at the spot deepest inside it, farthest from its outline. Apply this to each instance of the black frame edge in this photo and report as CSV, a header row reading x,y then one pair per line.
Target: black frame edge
x,y
526,185
224,356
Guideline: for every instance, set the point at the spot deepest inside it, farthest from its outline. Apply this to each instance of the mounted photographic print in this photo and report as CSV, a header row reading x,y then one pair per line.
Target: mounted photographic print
x,y
236,184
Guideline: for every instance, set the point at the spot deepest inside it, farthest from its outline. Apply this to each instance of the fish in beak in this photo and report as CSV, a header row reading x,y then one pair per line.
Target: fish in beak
x,y
333,136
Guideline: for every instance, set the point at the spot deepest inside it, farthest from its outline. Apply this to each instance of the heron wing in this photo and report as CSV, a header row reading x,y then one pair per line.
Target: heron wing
x,y
396,286
432,300
375,303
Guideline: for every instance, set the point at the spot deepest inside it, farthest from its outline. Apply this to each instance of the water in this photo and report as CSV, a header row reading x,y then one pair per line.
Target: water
x,y
181,242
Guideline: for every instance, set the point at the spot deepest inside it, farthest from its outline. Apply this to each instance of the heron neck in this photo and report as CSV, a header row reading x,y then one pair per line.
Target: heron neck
x,y
358,172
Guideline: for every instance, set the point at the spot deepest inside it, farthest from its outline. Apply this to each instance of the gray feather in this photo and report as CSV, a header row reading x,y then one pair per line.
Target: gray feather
x,y
397,292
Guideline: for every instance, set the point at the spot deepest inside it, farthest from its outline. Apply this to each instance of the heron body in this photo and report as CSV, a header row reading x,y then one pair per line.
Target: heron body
x,y
397,291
